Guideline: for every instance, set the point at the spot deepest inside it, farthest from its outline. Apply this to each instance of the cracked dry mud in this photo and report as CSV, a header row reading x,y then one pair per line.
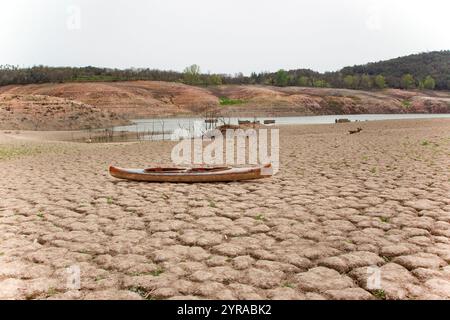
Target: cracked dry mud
x,y
340,205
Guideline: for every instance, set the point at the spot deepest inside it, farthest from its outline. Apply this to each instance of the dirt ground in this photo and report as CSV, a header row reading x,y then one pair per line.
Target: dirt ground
x,y
41,112
340,207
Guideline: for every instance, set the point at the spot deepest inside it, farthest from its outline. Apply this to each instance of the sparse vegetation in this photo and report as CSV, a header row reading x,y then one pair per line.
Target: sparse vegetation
x,y
379,294
384,219
9,152
157,272
288,285
51,292
260,217
99,278
144,293
212,204
406,103
224,101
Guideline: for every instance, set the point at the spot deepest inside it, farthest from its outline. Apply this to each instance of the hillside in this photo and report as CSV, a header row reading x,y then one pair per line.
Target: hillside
x,y
435,64
42,112
84,105
133,99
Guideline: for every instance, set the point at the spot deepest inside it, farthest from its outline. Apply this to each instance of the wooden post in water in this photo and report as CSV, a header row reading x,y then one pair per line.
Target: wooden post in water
x,y
163,129
153,128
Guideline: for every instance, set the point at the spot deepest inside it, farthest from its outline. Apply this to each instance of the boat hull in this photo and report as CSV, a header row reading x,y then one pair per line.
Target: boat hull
x,y
227,175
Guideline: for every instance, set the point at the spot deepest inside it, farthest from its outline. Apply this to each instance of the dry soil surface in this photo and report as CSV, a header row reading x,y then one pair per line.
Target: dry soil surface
x,y
34,112
340,206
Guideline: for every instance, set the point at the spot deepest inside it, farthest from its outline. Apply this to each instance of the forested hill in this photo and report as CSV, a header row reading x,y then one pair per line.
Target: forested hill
x,y
429,70
435,64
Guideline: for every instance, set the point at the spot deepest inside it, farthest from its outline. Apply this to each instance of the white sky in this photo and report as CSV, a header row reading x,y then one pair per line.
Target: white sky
x,y
225,36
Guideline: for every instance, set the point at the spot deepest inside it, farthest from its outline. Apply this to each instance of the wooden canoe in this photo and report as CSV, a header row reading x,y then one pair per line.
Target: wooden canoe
x,y
189,175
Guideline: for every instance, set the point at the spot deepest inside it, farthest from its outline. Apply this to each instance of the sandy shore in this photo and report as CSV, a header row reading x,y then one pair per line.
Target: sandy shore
x,y
340,205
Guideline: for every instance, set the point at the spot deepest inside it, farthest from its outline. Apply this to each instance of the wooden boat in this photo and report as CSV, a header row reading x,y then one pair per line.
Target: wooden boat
x,y
189,175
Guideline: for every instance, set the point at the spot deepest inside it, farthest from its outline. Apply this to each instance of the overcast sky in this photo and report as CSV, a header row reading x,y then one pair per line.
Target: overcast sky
x,y
225,36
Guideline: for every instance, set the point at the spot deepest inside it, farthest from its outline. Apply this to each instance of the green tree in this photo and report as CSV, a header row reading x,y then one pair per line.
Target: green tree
x,y
281,78
303,81
291,80
421,86
320,83
350,81
191,74
429,83
407,81
215,79
366,81
380,82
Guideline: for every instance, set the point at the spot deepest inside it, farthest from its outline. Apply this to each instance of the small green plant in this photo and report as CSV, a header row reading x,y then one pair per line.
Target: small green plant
x,y
384,219
109,200
425,143
99,278
406,103
157,272
373,170
224,101
51,292
380,294
260,217
142,292
212,204
288,285
40,215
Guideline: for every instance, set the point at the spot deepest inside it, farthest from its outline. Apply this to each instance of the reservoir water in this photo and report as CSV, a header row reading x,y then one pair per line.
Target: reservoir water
x,y
168,125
